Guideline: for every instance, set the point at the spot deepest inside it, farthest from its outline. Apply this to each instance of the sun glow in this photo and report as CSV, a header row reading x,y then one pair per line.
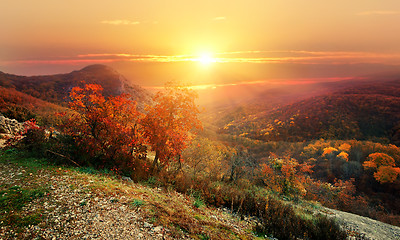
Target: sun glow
x,y
206,59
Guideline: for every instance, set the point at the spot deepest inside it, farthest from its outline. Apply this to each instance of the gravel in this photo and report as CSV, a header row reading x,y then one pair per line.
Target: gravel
x,y
73,208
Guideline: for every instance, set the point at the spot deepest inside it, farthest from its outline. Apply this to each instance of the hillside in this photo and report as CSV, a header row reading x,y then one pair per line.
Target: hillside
x,y
45,201
55,88
39,200
370,111
22,107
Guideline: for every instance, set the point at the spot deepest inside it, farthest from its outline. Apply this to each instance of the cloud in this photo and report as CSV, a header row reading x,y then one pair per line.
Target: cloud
x,y
219,18
120,22
256,57
59,61
369,13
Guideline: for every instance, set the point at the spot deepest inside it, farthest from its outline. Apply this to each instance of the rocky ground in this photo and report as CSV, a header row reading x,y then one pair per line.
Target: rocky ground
x,y
363,226
78,205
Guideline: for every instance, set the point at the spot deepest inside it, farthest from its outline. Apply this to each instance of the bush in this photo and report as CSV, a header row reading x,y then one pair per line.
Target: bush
x,y
277,217
280,220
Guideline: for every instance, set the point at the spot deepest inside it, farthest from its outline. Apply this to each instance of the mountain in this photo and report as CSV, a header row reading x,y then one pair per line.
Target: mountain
x,y
364,111
55,88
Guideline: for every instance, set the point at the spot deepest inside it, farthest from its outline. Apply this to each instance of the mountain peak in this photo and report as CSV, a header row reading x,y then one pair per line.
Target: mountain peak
x,y
97,68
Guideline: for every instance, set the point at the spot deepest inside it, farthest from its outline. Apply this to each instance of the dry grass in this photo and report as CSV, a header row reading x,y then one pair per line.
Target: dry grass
x,y
176,213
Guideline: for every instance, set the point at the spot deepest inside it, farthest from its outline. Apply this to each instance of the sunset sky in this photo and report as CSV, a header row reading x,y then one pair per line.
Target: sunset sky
x,y
202,42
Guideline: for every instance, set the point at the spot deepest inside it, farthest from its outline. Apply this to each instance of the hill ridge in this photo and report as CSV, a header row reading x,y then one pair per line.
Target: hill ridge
x,y
55,88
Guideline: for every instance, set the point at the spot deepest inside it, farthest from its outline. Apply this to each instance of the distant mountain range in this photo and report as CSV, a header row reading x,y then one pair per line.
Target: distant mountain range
x,y
55,88
24,97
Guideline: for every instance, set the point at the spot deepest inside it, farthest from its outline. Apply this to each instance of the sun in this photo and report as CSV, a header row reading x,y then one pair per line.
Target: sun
x,y
206,59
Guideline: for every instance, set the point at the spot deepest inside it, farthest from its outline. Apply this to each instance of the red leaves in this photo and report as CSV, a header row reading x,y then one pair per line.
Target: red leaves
x,y
106,127
113,127
169,121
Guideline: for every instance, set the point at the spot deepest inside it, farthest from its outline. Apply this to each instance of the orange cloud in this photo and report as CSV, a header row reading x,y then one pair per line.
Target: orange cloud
x,y
259,57
294,81
60,62
120,22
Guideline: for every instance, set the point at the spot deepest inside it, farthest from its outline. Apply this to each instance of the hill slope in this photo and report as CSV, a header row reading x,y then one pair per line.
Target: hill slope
x,y
40,200
55,88
21,106
47,202
368,111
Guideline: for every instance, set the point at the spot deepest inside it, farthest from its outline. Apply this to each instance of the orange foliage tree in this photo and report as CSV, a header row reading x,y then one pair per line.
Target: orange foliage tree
x,y
169,120
105,129
386,170
286,175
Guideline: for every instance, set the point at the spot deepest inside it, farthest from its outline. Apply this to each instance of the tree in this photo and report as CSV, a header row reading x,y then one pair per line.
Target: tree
x,y
205,157
106,129
285,175
386,170
169,121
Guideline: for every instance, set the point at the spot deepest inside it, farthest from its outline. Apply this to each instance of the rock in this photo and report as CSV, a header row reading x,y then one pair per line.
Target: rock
x,y
128,179
157,229
10,126
147,225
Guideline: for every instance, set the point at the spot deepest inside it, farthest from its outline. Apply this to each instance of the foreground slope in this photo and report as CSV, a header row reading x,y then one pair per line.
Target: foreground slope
x,y
45,202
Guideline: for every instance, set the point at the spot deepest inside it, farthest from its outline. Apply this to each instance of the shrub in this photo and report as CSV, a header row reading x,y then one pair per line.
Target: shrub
x,y
103,132
280,220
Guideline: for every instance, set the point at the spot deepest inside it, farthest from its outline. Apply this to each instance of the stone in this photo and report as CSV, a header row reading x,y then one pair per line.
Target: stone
x,y
157,229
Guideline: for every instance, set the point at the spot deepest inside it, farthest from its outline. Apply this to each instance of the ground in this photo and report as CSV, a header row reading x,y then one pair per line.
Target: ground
x,y
42,201
65,203
368,227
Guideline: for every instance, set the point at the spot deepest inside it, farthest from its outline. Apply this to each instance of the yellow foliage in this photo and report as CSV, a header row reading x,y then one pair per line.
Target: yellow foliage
x,y
328,150
385,166
381,159
369,164
345,147
386,174
344,156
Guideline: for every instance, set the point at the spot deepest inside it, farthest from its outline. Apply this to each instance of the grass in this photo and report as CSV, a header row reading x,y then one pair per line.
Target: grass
x,y
136,203
183,215
198,203
13,199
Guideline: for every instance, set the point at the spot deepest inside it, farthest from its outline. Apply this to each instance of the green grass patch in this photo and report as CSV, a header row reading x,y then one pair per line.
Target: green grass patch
x,y
203,237
24,159
198,202
136,203
14,198
12,201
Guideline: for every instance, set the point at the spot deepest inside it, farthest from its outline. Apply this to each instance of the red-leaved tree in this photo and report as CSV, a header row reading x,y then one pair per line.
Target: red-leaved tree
x,y
169,121
105,129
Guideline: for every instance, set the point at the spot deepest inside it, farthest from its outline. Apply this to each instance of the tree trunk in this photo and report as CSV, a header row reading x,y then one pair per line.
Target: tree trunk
x,y
155,162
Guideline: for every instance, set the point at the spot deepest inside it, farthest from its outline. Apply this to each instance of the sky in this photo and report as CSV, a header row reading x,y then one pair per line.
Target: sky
x,y
202,42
